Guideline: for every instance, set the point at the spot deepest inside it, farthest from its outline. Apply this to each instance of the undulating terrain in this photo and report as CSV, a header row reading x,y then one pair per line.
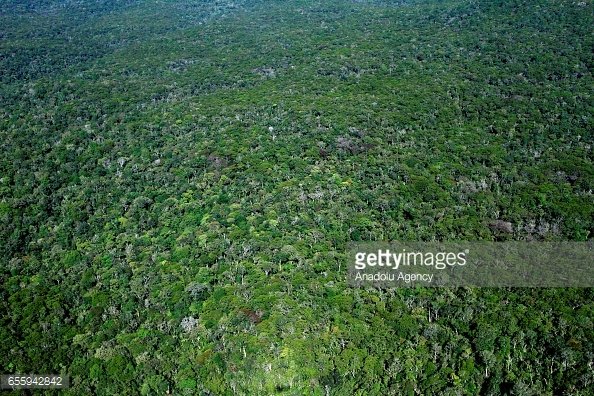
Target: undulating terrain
x,y
179,180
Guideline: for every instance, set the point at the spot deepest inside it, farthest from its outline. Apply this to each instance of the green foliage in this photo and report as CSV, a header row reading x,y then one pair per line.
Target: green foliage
x,y
179,179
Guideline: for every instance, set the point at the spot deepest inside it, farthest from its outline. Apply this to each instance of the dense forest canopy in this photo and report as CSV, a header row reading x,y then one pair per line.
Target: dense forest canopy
x,y
179,180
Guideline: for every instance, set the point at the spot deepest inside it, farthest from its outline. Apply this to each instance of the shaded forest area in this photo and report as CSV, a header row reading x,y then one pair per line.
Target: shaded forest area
x,y
179,180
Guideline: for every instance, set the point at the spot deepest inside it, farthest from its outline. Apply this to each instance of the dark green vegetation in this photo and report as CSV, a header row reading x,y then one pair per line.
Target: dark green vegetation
x,y
179,180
